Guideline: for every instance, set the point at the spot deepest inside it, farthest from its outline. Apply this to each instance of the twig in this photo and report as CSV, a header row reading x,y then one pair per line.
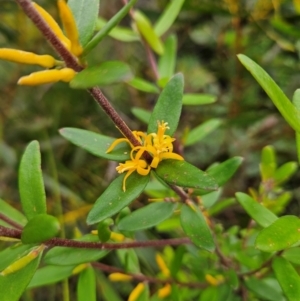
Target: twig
x,y
10,221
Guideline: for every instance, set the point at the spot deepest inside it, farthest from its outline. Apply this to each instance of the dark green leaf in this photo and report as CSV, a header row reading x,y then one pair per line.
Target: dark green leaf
x,y
201,131
147,217
96,144
196,228
198,99
143,85
40,228
287,277
107,73
12,213
281,234
263,216
168,17
183,174
168,106
108,292
86,286
114,198
166,63
283,104
177,261
13,285
73,256
141,114
108,26
85,13
31,185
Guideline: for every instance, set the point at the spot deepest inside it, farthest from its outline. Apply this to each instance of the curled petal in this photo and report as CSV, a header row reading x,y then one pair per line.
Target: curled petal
x,y
24,57
171,156
143,171
115,143
125,178
155,162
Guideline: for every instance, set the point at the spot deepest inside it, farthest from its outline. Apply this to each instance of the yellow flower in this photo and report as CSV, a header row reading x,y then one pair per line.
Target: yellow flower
x,y
71,42
119,277
162,265
136,292
158,145
164,291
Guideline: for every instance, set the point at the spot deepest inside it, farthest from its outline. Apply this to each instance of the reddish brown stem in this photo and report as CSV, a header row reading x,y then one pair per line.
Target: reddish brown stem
x,y
10,221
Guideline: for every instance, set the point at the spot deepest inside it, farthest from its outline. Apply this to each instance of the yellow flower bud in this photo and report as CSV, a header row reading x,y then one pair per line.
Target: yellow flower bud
x,y
47,76
70,26
24,57
117,236
214,281
79,268
164,291
119,277
53,25
136,292
162,265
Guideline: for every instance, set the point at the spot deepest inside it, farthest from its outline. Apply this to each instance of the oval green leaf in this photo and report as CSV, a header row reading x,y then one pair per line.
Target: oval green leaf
x,y
85,13
201,131
12,213
97,144
292,255
31,184
86,286
114,199
168,106
143,85
141,114
184,174
263,216
198,99
147,217
287,277
145,28
285,172
283,104
107,73
282,234
195,227
40,228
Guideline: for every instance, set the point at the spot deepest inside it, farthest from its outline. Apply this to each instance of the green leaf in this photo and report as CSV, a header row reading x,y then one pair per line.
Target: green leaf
x,y
281,234
108,26
168,106
201,131
177,260
287,277
143,85
50,274
141,114
73,256
40,228
114,198
107,73
283,104
263,216
195,227
145,28
108,292
285,172
168,17
12,213
86,286
97,144
292,255
183,174
166,63
198,99
13,285
31,185
147,217
104,231
85,13
268,163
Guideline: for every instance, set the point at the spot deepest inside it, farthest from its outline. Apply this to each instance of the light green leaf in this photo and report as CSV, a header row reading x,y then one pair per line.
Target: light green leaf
x,y
85,13
108,292
145,28
113,199
268,163
292,255
107,73
13,285
285,172
168,106
287,277
147,217
198,99
108,26
143,85
167,61
141,114
168,17
281,234
195,227
201,131
12,213
97,144
263,216
31,185
86,286
183,174
40,228
283,104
